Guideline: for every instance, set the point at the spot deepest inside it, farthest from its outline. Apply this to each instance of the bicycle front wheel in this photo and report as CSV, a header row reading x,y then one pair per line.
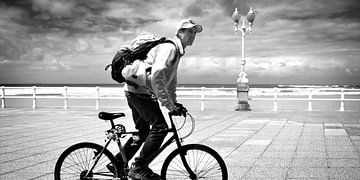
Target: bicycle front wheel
x,y
76,162
205,163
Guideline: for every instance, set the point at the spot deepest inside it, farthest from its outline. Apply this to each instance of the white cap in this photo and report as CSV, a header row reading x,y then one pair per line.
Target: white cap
x,y
188,23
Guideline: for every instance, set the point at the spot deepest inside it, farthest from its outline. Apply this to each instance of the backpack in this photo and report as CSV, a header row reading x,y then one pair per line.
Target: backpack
x,y
127,55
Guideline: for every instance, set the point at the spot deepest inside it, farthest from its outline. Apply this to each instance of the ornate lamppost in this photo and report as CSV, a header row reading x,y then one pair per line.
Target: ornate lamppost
x,y
243,82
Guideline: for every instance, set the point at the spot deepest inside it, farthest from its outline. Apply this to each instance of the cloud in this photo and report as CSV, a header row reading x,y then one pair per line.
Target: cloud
x,y
291,39
55,8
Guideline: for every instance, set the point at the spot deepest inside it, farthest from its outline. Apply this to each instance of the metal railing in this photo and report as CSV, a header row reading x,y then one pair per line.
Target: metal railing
x,y
256,94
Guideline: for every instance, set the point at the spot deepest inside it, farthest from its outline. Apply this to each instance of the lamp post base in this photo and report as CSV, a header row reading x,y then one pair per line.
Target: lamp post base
x,y
242,94
242,106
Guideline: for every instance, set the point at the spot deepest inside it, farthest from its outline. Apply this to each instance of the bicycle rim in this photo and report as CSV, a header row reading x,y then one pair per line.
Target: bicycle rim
x,y
202,160
77,160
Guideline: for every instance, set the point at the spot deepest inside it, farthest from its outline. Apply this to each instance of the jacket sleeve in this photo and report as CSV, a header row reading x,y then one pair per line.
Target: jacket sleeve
x,y
172,89
163,56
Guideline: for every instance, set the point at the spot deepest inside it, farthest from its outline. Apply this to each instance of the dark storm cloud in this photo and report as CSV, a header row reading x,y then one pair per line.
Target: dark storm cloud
x,y
320,9
229,5
194,10
8,50
74,17
23,33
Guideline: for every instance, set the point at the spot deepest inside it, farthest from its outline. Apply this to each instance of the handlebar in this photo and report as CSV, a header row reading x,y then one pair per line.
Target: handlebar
x,y
188,116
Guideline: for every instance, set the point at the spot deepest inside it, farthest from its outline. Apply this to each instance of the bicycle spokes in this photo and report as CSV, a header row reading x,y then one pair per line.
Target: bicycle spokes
x,y
203,165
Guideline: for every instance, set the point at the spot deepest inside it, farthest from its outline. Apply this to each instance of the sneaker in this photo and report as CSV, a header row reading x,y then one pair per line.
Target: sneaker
x,y
143,173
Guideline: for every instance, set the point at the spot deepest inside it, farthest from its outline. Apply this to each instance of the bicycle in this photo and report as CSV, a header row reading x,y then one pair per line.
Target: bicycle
x,y
88,160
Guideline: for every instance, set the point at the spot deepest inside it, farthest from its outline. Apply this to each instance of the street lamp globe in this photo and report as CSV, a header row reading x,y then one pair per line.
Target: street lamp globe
x,y
251,17
236,18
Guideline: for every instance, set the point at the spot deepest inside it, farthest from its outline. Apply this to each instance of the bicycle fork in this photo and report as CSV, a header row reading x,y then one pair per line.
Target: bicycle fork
x,y
187,167
182,153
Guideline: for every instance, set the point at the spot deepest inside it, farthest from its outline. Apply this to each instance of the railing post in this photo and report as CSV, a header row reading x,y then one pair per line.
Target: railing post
x,y
342,108
65,98
97,97
202,108
2,97
34,97
275,99
310,99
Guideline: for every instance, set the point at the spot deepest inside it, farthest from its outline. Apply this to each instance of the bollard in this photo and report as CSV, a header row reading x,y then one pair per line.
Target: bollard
x,y
342,108
2,97
65,98
275,99
202,108
242,96
97,97
34,97
310,100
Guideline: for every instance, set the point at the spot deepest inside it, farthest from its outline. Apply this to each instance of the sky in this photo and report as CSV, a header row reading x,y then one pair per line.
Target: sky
x,y
71,42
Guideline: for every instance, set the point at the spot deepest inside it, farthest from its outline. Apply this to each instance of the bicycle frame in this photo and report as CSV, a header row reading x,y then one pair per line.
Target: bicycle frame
x,y
175,137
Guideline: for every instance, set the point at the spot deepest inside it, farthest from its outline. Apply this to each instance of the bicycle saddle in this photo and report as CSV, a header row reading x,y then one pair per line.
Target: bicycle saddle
x,y
110,116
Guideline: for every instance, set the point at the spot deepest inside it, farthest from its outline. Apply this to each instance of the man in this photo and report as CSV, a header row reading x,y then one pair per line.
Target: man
x,y
160,85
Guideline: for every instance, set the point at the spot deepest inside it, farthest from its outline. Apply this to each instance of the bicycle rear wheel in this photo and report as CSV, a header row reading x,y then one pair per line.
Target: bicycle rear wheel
x,y
76,161
205,162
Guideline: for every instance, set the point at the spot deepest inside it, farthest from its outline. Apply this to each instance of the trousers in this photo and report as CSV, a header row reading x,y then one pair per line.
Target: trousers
x,y
150,122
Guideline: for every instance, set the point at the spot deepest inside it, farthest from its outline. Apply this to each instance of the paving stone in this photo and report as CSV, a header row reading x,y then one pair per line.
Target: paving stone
x,y
320,148
257,142
273,162
312,138
337,138
278,154
335,132
310,154
309,162
333,125
246,154
237,172
344,173
340,148
355,138
344,163
342,154
284,142
234,161
251,148
308,172
266,173
281,148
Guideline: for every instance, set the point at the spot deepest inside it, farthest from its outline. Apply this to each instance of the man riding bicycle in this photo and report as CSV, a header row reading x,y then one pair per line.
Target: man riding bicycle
x,y
143,100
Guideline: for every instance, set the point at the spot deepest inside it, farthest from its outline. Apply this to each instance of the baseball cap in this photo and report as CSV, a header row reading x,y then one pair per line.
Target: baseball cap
x,y
189,23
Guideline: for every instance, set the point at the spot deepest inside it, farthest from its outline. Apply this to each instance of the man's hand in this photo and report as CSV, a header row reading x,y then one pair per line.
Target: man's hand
x,y
179,110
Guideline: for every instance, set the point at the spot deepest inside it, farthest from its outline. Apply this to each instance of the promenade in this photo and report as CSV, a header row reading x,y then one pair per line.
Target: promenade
x,y
261,144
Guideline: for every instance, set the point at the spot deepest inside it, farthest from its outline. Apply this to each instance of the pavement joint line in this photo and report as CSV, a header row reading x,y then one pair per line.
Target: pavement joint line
x,y
219,131
41,162
296,148
242,141
43,175
47,143
198,130
251,167
34,139
40,132
43,152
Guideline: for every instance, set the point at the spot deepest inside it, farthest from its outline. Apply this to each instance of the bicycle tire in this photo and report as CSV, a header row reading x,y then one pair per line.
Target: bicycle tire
x,y
205,162
76,160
